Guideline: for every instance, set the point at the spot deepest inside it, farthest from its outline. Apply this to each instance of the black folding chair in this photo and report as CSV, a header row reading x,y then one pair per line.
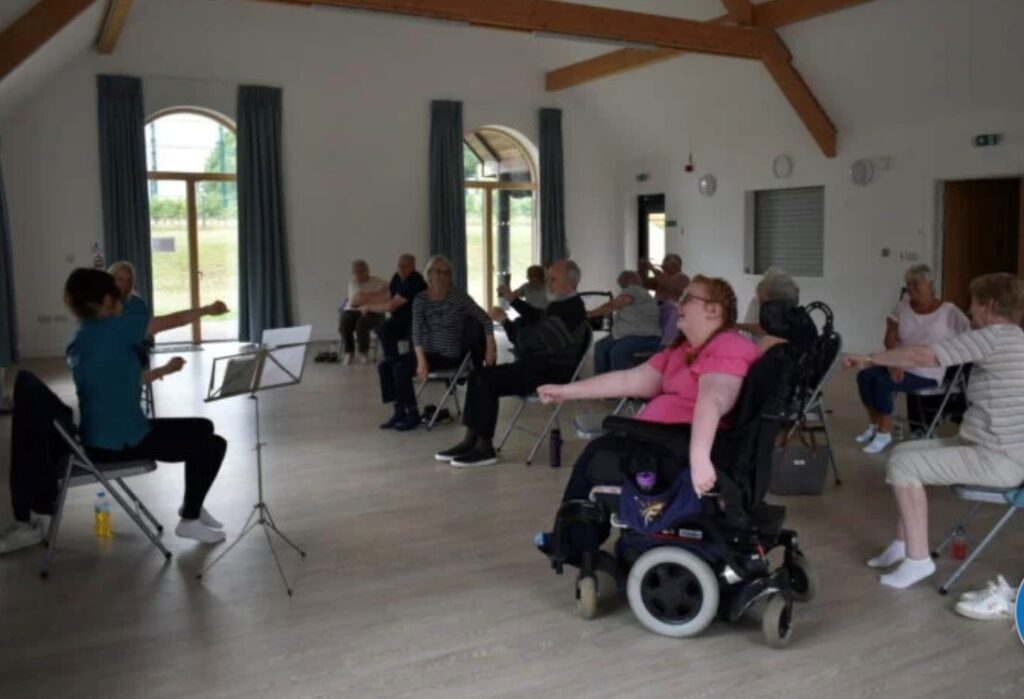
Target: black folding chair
x,y
81,470
451,379
533,398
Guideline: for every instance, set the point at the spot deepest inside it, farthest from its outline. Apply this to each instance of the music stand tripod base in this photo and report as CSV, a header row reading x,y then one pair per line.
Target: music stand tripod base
x,y
248,374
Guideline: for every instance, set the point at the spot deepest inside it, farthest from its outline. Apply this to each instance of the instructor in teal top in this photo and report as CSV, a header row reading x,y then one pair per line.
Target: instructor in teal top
x,y
108,372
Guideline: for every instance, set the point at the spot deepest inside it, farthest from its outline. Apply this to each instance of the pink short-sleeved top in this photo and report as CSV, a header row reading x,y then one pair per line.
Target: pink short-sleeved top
x,y
727,353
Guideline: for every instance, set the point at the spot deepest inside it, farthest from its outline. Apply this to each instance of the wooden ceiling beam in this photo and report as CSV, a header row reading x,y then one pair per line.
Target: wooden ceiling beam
x,y
113,24
34,28
587,21
780,66
740,11
768,15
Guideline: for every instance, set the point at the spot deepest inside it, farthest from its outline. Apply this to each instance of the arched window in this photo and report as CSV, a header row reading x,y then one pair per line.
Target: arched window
x,y
501,185
193,206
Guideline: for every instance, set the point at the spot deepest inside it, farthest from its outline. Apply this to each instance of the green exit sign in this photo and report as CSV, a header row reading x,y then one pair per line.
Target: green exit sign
x,y
987,139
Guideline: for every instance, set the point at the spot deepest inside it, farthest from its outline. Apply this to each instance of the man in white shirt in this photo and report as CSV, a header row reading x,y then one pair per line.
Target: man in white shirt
x,y
357,321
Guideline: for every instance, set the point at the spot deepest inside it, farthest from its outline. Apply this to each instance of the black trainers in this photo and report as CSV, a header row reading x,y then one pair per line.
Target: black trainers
x,y
478,456
395,420
411,421
460,449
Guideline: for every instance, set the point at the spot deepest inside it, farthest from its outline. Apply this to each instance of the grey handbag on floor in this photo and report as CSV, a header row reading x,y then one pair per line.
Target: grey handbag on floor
x,y
799,465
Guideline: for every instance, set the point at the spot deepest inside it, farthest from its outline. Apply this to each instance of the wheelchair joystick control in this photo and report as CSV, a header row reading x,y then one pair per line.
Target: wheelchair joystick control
x,y
646,480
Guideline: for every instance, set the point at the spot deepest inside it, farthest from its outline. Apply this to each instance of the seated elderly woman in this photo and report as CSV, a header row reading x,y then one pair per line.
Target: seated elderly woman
x,y
635,328
694,383
775,285
440,318
989,450
124,276
921,319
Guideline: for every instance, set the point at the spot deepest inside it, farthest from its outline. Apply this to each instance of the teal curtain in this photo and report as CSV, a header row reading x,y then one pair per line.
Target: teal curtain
x,y
264,293
122,123
9,326
552,188
448,187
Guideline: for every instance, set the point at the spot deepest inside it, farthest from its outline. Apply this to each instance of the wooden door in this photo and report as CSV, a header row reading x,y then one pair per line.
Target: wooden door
x,y
981,232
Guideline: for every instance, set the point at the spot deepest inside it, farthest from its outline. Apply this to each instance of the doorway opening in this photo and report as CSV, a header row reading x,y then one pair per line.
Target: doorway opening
x,y
651,227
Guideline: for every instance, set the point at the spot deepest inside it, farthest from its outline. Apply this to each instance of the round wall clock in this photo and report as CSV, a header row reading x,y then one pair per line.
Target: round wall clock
x,y
782,166
708,185
862,172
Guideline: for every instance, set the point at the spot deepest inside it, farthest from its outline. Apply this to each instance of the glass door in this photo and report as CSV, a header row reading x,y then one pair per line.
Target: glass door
x,y
512,227
217,256
172,253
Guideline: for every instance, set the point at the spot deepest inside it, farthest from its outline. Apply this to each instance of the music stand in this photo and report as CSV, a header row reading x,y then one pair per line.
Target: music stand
x,y
277,362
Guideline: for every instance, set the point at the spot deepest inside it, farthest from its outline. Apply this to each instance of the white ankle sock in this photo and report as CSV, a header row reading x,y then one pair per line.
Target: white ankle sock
x,y
893,554
908,572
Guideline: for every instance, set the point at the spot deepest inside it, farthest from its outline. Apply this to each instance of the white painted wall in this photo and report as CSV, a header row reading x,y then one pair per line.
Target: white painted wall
x,y
911,80
357,92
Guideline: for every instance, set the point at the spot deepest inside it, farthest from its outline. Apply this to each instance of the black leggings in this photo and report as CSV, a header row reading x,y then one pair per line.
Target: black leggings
x,y
191,440
355,327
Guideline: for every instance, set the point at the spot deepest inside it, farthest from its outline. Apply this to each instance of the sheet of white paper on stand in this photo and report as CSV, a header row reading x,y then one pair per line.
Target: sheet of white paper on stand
x,y
286,355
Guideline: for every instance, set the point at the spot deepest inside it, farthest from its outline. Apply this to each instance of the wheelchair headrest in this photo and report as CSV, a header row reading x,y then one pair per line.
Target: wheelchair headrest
x,y
790,322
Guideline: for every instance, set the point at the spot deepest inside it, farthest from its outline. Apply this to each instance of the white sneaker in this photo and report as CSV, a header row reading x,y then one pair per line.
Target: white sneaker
x,y
364,358
989,606
878,443
41,521
998,585
347,360
195,529
206,518
867,435
20,535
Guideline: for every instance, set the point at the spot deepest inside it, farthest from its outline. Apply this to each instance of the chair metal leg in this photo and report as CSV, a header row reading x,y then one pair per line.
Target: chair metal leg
x,y
511,425
441,403
131,513
544,433
948,585
828,440
140,506
959,528
58,514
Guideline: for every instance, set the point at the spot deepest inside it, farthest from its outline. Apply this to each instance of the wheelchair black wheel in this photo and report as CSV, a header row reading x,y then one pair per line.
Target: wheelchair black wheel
x,y
777,622
586,596
673,592
803,579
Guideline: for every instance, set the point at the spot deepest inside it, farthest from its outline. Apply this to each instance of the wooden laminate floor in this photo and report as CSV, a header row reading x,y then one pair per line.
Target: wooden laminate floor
x,y
422,581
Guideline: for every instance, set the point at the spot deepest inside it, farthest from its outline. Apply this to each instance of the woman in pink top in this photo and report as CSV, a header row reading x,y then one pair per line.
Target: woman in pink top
x,y
694,383
920,320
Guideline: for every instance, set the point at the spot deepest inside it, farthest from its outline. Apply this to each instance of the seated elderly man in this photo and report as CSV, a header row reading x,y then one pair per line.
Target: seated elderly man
x,y
355,323
547,346
667,283
636,327
775,285
405,285
989,450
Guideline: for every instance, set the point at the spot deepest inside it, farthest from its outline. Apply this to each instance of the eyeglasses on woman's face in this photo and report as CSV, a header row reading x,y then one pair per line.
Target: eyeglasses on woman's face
x,y
686,298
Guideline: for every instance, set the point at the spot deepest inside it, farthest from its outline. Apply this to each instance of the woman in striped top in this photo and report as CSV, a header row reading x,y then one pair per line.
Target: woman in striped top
x,y
445,324
989,450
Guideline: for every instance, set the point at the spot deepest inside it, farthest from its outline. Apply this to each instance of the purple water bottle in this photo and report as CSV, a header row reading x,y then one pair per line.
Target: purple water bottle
x,y
646,480
556,448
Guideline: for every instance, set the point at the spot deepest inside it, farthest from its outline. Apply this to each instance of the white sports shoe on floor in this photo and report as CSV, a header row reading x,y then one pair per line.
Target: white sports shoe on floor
x,y
20,535
207,519
989,606
867,435
878,443
195,529
999,585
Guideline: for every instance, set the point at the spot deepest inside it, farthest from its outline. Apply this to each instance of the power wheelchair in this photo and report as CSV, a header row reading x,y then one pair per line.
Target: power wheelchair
x,y
713,560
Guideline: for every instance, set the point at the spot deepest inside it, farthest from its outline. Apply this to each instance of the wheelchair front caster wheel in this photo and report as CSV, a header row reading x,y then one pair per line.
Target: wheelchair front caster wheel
x,y
586,597
777,622
803,579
